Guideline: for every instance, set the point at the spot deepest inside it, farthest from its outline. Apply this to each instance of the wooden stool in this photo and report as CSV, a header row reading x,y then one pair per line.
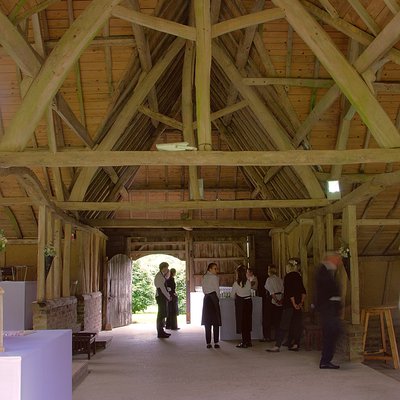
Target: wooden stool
x,y
312,336
383,313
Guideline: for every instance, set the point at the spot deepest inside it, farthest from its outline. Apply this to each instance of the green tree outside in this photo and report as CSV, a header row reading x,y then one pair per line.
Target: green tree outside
x,y
142,288
143,273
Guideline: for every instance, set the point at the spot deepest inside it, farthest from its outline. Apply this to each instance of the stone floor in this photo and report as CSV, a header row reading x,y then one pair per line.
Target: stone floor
x,y
137,365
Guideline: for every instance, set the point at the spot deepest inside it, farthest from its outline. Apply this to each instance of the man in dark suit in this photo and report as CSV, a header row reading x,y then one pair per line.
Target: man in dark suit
x,y
328,304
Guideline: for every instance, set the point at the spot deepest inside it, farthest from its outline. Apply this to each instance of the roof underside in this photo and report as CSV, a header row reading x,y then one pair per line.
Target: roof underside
x,y
301,81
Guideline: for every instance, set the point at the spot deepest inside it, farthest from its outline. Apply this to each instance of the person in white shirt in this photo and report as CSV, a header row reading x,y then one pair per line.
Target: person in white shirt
x,y
241,292
253,280
211,315
274,288
162,298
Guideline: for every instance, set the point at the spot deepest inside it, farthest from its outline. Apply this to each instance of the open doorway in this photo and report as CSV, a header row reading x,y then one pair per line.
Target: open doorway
x,y
144,269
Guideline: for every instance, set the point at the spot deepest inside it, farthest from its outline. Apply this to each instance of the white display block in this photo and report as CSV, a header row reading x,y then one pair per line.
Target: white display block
x,y
228,319
18,299
37,366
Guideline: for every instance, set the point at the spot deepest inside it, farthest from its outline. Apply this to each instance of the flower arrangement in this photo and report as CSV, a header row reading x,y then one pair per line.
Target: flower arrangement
x,y
49,250
344,250
3,241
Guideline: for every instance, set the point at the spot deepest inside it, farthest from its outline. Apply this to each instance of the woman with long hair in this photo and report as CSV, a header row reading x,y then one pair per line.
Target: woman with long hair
x,y
211,316
241,292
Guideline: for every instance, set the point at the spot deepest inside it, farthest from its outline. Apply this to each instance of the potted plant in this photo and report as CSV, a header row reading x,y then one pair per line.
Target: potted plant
x,y
3,241
344,251
49,254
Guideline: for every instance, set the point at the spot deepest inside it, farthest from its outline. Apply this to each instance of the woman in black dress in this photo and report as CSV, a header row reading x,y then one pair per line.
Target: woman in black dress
x,y
173,309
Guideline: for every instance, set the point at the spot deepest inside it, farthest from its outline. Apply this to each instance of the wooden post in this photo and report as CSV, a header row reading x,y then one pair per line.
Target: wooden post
x,y
330,245
349,229
41,280
66,265
306,269
49,241
189,271
1,320
57,259
203,72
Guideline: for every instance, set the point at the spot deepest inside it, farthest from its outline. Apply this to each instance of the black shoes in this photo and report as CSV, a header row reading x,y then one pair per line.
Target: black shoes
x,y
244,345
274,349
329,365
163,335
216,346
295,347
209,346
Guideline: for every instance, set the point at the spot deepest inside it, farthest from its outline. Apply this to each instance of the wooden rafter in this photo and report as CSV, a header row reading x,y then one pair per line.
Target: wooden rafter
x,y
53,72
269,123
126,114
349,81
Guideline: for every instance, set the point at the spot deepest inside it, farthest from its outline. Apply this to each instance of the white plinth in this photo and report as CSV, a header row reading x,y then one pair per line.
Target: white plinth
x,y
18,299
228,328
37,366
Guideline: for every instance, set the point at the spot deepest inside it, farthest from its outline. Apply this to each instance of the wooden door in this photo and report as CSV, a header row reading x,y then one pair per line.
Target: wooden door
x,y
119,291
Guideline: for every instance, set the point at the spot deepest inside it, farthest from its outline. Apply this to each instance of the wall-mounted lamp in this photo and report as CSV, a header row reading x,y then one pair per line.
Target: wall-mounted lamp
x,y
333,190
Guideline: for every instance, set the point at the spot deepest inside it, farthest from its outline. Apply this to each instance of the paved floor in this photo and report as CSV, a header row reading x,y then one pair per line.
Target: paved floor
x,y
137,365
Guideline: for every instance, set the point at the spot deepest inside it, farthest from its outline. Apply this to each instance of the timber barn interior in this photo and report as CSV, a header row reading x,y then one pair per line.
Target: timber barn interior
x,y
207,130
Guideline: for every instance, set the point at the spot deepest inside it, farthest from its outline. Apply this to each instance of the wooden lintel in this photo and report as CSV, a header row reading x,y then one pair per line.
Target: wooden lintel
x,y
83,158
191,205
184,224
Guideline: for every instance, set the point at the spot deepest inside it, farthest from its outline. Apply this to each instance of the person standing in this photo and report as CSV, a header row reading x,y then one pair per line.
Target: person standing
x,y
241,292
293,301
162,298
173,309
328,304
274,289
253,281
211,315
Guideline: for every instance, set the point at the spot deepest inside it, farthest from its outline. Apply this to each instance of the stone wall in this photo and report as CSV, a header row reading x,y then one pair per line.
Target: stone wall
x,y
89,311
350,343
55,314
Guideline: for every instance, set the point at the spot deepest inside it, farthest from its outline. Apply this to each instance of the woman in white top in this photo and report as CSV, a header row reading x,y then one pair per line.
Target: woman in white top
x,y
211,316
274,288
241,292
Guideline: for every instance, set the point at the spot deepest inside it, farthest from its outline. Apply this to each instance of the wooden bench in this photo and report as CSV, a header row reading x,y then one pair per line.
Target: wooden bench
x,y
84,343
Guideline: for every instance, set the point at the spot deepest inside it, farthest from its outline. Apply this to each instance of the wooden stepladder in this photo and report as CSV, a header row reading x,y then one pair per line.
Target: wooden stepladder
x,y
384,314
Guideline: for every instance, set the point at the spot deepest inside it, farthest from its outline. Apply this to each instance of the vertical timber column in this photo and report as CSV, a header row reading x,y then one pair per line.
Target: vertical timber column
x,y
66,265
50,241
41,275
307,275
57,259
318,239
189,271
1,320
349,226
329,232
203,71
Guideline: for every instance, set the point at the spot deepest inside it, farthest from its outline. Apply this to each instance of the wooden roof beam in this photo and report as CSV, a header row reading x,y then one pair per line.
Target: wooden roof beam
x,y
128,111
156,23
202,18
275,131
94,159
144,57
234,24
346,77
205,224
53,72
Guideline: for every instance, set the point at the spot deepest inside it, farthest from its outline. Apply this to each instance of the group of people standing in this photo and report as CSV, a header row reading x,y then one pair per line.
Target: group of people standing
x,y
282,305
167,300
